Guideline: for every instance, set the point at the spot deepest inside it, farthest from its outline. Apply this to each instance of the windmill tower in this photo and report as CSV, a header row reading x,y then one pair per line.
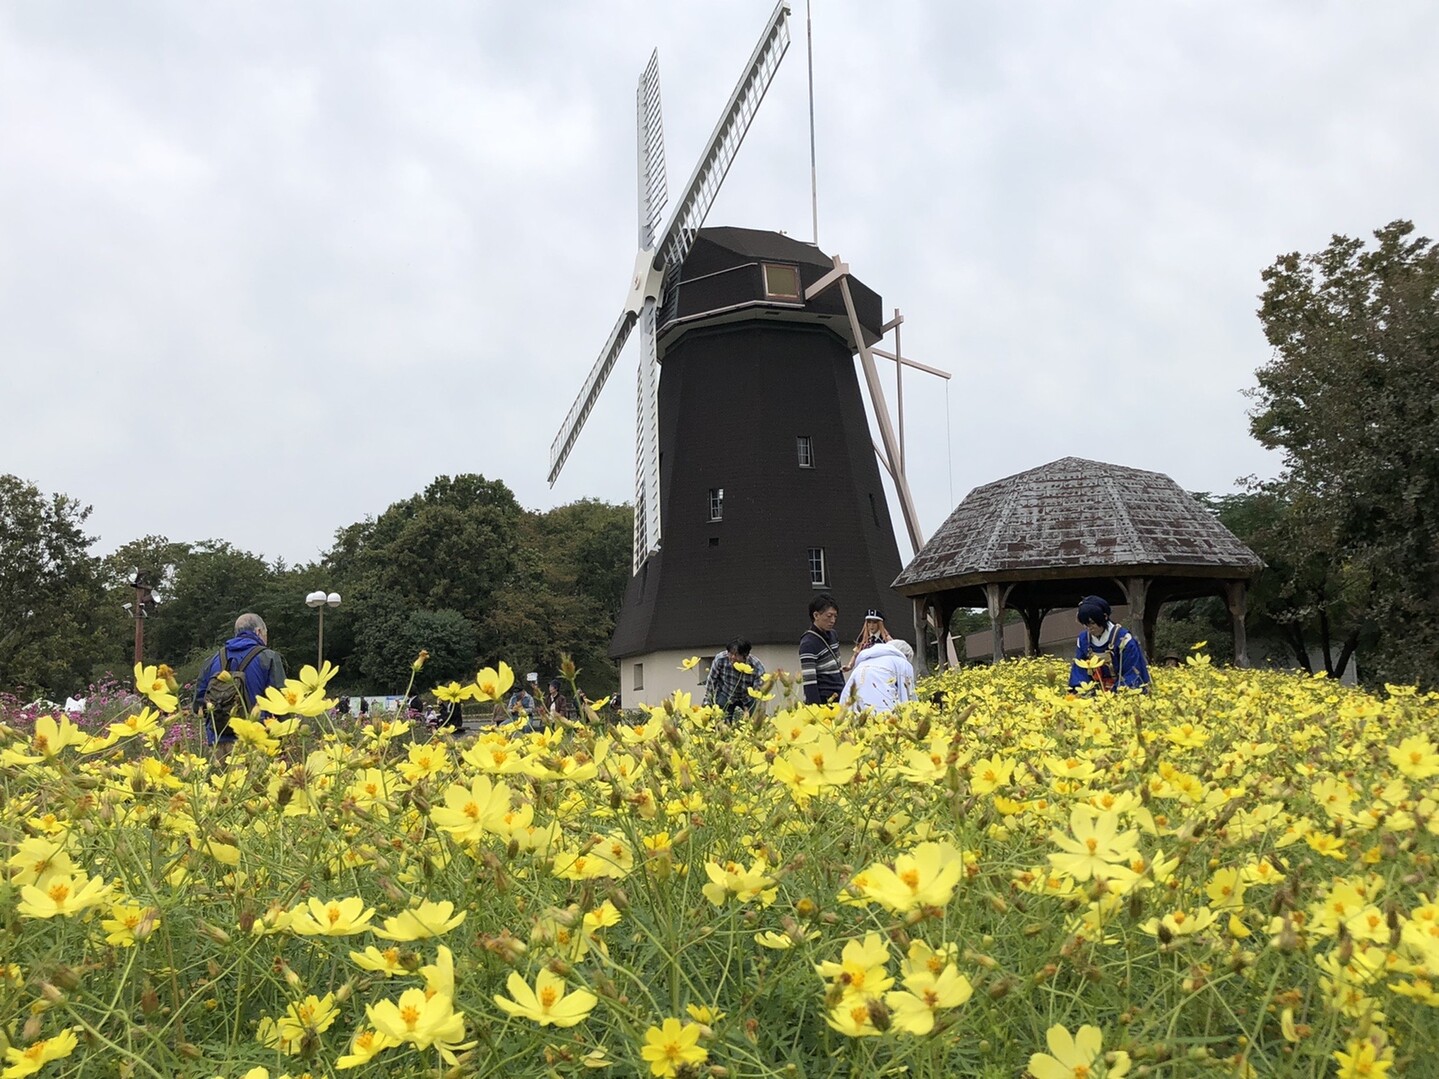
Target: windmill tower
x,y
753,456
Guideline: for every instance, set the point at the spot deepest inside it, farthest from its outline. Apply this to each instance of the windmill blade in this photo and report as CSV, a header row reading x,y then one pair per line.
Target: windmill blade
x,y
724,142
647,442
654,190
585,402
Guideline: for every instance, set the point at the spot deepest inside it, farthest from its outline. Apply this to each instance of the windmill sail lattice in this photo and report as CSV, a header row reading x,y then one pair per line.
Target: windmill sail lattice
x,y
661,255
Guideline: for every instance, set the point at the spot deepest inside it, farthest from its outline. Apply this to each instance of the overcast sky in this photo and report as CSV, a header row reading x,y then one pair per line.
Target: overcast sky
x,y
266,268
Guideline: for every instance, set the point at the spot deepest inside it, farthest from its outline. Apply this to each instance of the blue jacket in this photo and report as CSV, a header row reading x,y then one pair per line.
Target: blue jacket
x,y
1124,662
267,669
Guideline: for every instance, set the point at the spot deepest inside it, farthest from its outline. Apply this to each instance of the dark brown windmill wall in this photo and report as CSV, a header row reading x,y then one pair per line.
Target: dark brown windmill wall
x,y
733,399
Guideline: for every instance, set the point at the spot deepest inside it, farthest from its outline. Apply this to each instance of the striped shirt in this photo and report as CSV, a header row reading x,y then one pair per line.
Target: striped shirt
x,y
820,666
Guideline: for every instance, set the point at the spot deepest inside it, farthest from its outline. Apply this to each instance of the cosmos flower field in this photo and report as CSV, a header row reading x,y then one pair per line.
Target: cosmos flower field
x,y
1234,875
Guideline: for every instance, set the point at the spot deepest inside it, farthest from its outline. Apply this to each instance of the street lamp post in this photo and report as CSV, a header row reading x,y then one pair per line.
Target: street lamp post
x,y
139,609
320,600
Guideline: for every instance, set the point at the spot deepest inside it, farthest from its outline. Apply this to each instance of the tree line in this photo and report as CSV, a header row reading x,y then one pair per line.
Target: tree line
x,y
460,569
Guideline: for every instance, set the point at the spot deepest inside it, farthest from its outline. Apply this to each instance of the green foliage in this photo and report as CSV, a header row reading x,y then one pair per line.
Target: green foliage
x,y
460,569
390,635
1351,397
213,585
50,593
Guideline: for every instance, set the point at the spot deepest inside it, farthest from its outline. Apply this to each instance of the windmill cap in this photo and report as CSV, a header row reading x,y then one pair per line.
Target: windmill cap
x,y
874,614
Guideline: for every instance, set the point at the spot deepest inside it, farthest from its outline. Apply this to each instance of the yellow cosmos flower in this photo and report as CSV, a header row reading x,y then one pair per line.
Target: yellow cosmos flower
x,y
252,732
492,685
548,1003
824,762
38,856
128,923
1179,923
912,1009
429,919
768,938
147,722
1416,757
734,881
1363,1060
1226,889
364,1047
388,962
671,1046
425,759
440,975
151,683
1076,1055
861,971
454,693
421,1020
1097,847
690,664
335,918
854,1018
300,1025
470,813
989,774
49,739
743,667
316,681
37,1054
62,894
925,877
294,698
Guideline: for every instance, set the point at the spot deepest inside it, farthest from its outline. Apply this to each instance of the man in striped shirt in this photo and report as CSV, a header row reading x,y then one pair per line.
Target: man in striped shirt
x,y
819,662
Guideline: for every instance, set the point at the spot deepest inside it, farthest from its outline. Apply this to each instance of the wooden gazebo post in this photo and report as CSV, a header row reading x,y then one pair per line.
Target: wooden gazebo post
x,y
1236,596
995,599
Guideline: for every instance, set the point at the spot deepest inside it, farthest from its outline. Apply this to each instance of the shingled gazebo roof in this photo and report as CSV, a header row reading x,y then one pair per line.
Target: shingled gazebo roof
x,y
1073,527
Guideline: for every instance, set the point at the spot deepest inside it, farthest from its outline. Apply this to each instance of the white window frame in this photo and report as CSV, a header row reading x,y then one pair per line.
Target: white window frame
x,y
639,676
817,561
784,297
716,503
804,450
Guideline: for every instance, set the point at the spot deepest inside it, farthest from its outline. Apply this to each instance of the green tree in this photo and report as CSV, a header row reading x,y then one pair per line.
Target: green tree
x,y
389,637
1351,397
211,587
50,594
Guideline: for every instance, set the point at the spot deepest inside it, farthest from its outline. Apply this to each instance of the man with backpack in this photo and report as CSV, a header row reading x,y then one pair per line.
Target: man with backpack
x,y
250,667
1106,652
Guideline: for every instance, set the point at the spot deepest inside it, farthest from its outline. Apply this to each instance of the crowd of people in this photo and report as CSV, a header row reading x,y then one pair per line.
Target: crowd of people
x,y
878,675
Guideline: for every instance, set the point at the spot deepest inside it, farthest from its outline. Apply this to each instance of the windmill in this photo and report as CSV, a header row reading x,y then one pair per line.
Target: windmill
x,y
746,322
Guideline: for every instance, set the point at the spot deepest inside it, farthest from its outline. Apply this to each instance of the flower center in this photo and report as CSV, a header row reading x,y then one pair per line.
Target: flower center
x,y
411,1015
548,995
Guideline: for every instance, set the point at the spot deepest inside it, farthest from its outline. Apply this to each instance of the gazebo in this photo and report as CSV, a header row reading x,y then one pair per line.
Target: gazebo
x,y
1041,540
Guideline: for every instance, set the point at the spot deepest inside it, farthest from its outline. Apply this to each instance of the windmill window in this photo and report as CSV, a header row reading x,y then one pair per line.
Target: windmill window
x,y
817,575
781,282
716,503
804,448
639,676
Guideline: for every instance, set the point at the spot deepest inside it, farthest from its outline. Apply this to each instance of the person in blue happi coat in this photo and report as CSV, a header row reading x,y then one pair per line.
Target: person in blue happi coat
x,y
1106,652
